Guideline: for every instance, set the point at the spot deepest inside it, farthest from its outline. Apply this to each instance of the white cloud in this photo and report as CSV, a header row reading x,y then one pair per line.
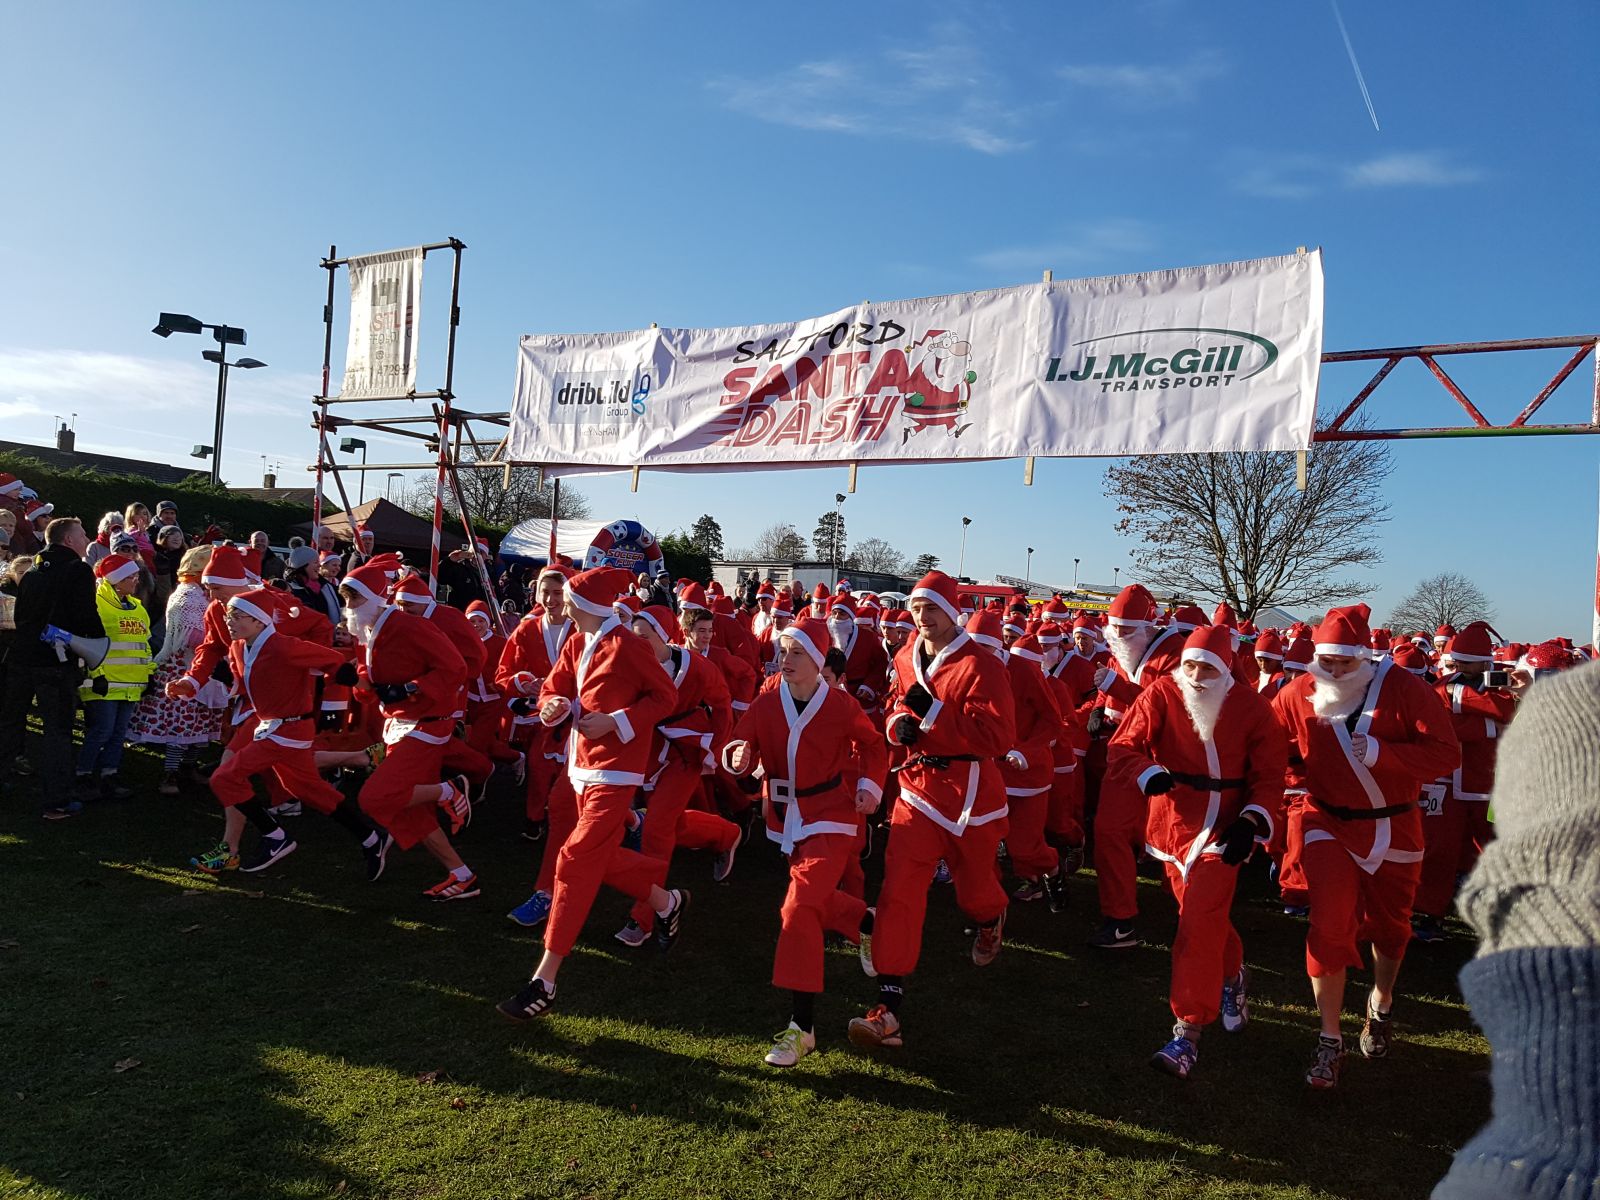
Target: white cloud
x,y
1139,85
1079,248
1423,169
88,381
939,92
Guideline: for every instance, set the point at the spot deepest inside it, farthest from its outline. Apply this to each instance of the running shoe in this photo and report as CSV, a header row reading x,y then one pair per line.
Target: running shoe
x,y
1177,1057
722,865
632,935
531,911
532,1001
1375,1034
1236,1001
1115,935
1323,1074
289,808
879,1027
790,1046
986,946
451,888
268,851
216,860
458,808
377,856
670,926
865,949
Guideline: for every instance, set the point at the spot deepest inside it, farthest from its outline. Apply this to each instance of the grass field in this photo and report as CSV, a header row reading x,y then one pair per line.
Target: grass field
x,y
301,1033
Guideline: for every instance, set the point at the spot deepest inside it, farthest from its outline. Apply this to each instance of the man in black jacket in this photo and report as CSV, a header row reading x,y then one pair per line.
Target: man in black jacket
x,y
58,592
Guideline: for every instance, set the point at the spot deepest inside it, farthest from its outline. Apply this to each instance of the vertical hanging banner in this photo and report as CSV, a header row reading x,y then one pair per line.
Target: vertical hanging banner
x,y
385,298
1194,360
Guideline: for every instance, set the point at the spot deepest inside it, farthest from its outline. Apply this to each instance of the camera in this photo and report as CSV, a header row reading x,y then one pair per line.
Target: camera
x,y
1497,679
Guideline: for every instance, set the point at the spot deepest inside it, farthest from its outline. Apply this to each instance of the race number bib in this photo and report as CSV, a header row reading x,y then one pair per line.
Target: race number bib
x,y
1431,802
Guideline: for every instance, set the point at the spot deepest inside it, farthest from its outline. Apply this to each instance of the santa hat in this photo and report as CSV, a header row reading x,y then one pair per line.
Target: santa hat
x,y
1411,658
984,628
371,579
1014,626
811,635
941,590
1189,617
843,603
1049,634
820,592
1549,656
363,532
225,567
1212,644
413,588
1134,605
114,568
1248,630
1473,643
627,607
902,620
660,618
844,588
1380,642
1298,654
1444,633
723,606
691,595
784,606
1299,630
479,609
593,591
968,604
260,603
1085,622
713,590
1028,648
1224,615
1344,632
35,510
1269,645
560,569
331,556
1056,611
766,591
9,484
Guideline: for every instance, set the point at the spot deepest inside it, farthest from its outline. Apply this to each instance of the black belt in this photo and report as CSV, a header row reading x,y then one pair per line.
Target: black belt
x,y
1363,814
935,762
816,789
676,717
1205,783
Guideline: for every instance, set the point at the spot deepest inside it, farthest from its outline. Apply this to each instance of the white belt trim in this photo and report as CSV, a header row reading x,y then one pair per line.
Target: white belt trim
x,y
396,730
1025,792
583,776
1067,770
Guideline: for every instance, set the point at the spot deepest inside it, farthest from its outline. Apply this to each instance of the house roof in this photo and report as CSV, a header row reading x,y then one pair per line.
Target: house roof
x,y
111,464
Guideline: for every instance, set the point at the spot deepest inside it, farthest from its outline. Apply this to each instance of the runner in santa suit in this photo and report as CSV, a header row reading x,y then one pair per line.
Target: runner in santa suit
x,y
822,758
1210,755
758,620
416,675
1269,663
1027,768
1071,680
274,685
767,638
1141,654
726,633
488,718
951,708
683,751
608,692
866,672
1245,669
412,595
1456,825
530,655
1369,735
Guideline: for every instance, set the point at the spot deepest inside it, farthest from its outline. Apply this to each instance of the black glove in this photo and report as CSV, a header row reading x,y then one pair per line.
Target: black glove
x,y
918,700
1238,840
347,674
1096,722
906,732
223,674
393,693
523,705
750,592
100,686
748,784
1158,784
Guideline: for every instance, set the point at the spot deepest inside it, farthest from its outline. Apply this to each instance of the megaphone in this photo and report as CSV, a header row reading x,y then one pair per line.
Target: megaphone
x,y
92,651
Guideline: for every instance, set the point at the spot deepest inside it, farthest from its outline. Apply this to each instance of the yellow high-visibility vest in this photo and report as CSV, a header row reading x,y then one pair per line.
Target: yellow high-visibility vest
x,y
128,665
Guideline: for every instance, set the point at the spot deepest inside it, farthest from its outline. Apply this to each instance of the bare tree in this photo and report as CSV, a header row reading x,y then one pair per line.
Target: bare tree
x,y
1234,526
491,502
1447,599
777,543
875,554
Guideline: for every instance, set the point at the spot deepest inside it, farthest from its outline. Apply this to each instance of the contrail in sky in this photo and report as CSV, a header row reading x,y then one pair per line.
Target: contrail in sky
x,y
1351,51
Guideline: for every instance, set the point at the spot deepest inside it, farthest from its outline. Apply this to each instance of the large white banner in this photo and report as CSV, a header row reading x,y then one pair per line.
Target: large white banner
x,y
1200,359
385,298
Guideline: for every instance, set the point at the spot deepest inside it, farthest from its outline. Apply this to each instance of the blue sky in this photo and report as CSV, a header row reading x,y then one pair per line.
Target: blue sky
x,y
622,162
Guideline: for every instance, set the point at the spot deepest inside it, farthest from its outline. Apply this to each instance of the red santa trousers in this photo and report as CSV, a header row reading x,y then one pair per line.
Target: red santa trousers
x,y
462,759
542,775
1349,906
1031,855
854,880
1064,824
1118,841
386,796
814,905
1207,950
1286,847
242,738
1453,837
664,810
295,772
486,734
916,845
562,810
592,855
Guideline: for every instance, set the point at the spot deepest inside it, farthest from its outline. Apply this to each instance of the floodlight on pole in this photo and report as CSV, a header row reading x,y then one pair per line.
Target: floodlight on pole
x,y
1027,583
350,445
833,537
1074,574
388,487
224,335
961,565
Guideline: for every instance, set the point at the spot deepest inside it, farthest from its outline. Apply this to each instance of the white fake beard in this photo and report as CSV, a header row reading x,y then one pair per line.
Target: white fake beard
x,y
761,623
1204,702
1335,699
360,622
1129,650
839,634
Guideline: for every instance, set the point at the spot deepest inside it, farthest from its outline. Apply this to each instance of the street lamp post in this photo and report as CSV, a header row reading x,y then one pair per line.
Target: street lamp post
x,y
224,335
1074,575
350,446
1027,583
833,539
961,566
1115,571
388,487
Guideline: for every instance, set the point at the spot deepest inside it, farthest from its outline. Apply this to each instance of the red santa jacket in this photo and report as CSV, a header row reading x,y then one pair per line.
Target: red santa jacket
x,y
971,723
1410,741
1269,686
529,656
297,621
1072,742
1248,753
697,728
866,672
1479,719
733,637
816,757
1160,658
742,680
406,648
481,687
272,677
1038,725
612,672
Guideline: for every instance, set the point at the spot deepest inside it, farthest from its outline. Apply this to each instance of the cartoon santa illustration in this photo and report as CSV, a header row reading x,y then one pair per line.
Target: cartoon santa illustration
x,y
939,387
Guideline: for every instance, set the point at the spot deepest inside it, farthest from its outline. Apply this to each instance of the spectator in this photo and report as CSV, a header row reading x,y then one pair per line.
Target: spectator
x,y
114,687
60,595
361,551
136,520
10,581
8,529
296,542
322,538
125,543
330,566
110,525
167,513
1534,899
306,584
458,574
272,566
181,726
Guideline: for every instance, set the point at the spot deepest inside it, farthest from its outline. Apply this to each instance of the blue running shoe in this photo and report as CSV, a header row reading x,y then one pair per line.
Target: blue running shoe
x,y
1236,1001
1176,1058
531,911
942,874
633,838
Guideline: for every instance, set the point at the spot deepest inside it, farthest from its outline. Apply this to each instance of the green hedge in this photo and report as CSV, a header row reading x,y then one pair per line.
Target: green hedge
x,y
89,494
